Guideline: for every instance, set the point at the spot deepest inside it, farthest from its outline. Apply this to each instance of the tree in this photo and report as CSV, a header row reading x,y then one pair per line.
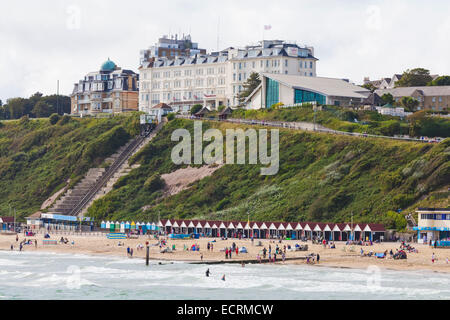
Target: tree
x,y
414,78
388,98
249,86
42,110
410,104
196,108
440,81
369,86
415,123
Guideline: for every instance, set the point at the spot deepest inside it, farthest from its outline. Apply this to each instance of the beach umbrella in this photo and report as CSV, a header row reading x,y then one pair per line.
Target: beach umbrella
x,y
127,225
133,225
103,225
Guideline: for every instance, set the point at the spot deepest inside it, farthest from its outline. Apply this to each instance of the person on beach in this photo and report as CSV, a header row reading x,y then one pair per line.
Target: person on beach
x,y
226,253
35,244
318,258
17,238
433,258
128,251
264,253
201,257
131,252
223,278
283,256
12,247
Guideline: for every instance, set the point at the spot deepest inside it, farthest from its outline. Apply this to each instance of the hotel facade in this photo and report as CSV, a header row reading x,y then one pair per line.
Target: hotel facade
x,y
110,90
216,79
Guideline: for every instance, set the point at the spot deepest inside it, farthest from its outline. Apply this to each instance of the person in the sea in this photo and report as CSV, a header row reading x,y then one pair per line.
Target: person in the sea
x,y
207,273
223,278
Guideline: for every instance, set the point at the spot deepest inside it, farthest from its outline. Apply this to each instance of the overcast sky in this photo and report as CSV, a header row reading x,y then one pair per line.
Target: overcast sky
x,y
42,41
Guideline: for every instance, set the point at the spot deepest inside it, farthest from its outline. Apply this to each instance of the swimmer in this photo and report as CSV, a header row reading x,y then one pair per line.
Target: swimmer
x,y
207,273
223,278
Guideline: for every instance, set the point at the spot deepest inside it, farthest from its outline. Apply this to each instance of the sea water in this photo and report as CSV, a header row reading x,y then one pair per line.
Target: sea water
x,y
48,276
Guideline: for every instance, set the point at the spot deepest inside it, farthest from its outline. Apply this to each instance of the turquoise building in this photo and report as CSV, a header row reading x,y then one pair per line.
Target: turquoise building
x,y
292,90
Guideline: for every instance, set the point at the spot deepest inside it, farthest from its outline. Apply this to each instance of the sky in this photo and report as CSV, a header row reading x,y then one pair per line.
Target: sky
x,y
42,41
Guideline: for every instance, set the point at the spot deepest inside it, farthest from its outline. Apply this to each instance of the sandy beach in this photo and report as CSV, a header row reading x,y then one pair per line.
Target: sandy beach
x,y
343,256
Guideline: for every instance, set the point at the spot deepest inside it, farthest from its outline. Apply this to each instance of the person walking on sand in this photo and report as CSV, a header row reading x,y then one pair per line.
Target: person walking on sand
x,y
12,247
201,257
128,251
318,258
433,258
35,244
17,238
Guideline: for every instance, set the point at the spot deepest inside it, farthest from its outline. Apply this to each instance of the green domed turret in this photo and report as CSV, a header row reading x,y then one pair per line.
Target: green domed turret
x,y
108,66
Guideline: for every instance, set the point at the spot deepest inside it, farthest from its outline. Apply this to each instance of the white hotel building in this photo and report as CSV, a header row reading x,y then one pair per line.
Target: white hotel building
x,y
216,79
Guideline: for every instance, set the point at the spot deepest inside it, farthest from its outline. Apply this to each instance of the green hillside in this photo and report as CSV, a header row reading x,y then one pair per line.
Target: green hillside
x,y
361,121
322,177
38,157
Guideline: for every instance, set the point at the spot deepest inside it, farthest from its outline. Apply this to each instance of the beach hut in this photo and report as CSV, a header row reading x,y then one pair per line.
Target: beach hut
x,y
108,225
117,225
281,229
199,227
290,233
357,232
337,233
263,231
299,230
223,229
308,231
122,227
346,232
103,225
127,225
215,231
255,230
230,229
328,234
149,226
133,225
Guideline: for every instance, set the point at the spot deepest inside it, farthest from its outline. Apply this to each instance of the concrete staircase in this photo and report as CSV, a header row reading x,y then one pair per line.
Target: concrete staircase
x,y
100,181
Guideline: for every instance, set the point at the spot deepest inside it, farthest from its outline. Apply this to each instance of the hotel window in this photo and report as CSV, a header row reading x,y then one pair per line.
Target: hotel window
x,y
234,76
286,63
234,66
199,71
311,74
240,65
440,99
240,77
267,63
434,99
187,83
262,63
310,64
253,65
187,73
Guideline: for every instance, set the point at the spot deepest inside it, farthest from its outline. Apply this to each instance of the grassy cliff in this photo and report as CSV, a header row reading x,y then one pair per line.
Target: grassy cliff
x,y
322,177
37,157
